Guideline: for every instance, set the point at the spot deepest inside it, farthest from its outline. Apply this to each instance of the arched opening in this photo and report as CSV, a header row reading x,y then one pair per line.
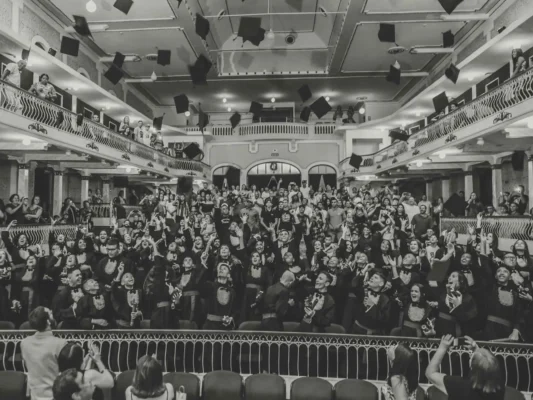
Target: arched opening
x,y
322,175
226,176
269,174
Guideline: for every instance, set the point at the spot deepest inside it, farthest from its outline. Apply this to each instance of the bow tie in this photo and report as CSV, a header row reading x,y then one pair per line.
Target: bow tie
x,y
224,287
76,290
256,266
132,291
97,297
415,303
466,271
187,272
283,245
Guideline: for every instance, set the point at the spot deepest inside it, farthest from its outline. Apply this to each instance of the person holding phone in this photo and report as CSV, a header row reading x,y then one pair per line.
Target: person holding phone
x,y
486,378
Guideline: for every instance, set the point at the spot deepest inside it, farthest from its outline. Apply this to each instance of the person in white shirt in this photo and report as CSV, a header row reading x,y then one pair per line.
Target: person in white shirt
x,y
138,132
305,190
12,75
410,206
425,202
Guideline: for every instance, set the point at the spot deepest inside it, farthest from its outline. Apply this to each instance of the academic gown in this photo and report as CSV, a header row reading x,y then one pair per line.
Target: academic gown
x,y
95,307
275,301
504,312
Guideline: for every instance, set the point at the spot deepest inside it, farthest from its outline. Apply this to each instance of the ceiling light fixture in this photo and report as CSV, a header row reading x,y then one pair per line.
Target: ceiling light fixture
x,y
224,100
442,156
90,6
153,76
128,170
220,14
273,100
360,106
187,113
229,109
327,98
270,34
26,141
68,152
480,141
419,164
323,11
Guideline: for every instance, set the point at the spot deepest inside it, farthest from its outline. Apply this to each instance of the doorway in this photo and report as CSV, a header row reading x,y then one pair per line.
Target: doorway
x,y
322,176
271,174
43,188
226,176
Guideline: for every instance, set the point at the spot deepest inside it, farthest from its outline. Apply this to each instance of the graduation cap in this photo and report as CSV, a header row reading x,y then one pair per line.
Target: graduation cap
x,y
452,73
163,57
52,52
455,204
394,75
235,120
179,3
182,103
203,120
157,123
440,102
256,108
387,33
355,161
450,5
114,74
202,26
399,134
81,26
119,59
250,29
305,114
320,107
305,93
199,70
69,46
123,5
448,39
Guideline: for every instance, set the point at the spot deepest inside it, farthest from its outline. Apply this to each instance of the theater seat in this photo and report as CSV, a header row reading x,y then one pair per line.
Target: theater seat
x,y
345,390
291,326
250,326
25,326
335,328
312,389
510,394
124,379
222,385
264,387
190,382
13,385
6,325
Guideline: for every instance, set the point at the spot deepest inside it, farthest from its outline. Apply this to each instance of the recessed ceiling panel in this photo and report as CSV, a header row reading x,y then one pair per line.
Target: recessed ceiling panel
x,y
367,53
141,9
417,6
274,62
143,43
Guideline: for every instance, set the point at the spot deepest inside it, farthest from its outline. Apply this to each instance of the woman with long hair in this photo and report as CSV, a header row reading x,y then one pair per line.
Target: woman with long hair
x,y
485,381
415,314
69,211
519,62
402,383
148,382
34,211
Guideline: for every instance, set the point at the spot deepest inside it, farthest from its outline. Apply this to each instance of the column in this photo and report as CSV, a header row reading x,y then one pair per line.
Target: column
x,y
23,180
105,191
85,187
529,179
243,178
445,181
497,181
58,191
305,175
429,189
469,183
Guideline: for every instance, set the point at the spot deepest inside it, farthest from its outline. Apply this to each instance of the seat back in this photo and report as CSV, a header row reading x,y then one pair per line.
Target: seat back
x,y
345,389
265,387
124,379
188,325
250,326
25,326
13,385
225,385
291,326
513,394
335,328
311,389
190,383
6,325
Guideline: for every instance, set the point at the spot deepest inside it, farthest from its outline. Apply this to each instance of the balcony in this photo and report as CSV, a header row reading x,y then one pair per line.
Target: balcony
x,y
491,112
20,110
268,130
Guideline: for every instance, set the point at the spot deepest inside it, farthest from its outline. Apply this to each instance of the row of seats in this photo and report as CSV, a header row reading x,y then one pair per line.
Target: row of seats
x,y
229,386
191,325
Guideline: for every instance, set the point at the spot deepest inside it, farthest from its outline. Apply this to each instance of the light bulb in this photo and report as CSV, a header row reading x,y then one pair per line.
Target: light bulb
x,y
327,98
91,6
229,109
68,152
273,99
480,141
26,141
418,113
224,100
187,113
270,35
470,78
154,76
442,156
128,170
362,110
419,164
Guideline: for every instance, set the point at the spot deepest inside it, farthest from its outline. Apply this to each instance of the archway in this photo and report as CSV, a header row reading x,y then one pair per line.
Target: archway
x,y
322,175
270,174
228,173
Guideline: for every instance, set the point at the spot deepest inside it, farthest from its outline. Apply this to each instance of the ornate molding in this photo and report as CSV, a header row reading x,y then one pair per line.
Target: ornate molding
x,y
85,178
58,173
23,166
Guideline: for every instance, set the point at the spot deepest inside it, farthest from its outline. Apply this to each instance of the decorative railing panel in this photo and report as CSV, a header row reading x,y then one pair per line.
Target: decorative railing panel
x,y
489,105
325,129
222,130
507,229
48,114
274,128
284,353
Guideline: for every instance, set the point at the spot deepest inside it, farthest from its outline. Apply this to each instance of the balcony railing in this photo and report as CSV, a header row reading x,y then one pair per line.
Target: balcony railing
x,y
38,235
507,229
269,128
17,101
489,105
329,356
